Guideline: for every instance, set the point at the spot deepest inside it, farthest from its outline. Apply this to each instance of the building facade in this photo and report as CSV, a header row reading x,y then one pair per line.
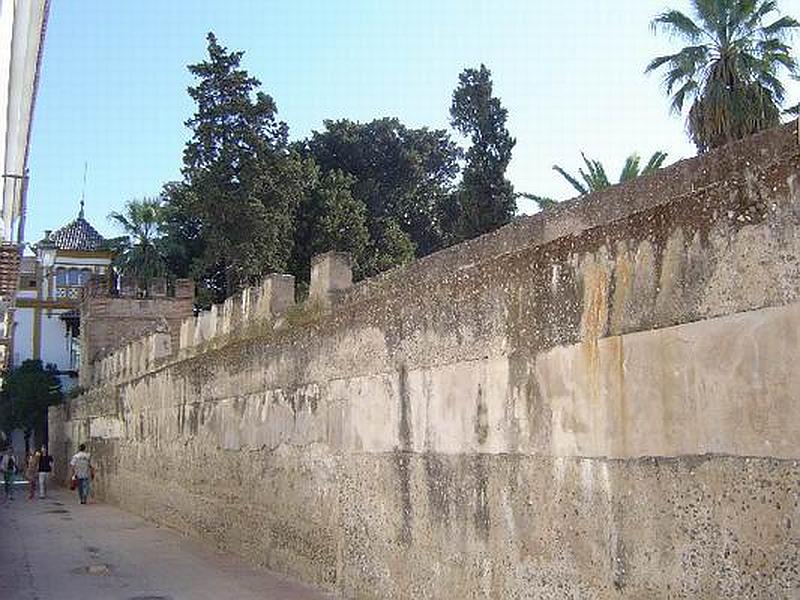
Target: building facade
x,y
22,30
46,317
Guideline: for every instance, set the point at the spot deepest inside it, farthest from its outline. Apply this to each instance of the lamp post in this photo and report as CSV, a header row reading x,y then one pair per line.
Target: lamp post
x,y
46,254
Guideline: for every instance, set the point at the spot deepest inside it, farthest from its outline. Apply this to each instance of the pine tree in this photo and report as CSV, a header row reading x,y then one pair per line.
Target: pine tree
x,y
241,185
485,199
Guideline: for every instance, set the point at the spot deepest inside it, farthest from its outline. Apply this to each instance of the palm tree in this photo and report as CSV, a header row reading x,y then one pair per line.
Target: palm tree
x,y
595,178
730,68
137,253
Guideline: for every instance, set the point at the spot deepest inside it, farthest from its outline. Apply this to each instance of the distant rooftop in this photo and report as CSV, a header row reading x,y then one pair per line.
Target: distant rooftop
x,y
77,235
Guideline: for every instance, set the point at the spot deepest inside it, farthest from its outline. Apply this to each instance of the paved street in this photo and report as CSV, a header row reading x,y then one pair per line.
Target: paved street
x,y
56,549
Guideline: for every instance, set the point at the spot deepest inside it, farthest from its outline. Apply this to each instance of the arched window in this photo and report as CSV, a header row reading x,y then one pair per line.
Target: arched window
x,y
61,276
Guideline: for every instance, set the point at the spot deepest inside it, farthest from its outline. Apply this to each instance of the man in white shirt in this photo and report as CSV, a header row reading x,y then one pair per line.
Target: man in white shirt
x,y
81,465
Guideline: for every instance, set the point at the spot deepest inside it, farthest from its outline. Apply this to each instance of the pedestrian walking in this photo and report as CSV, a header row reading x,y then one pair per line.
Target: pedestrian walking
x,y
45,467
9,467
32,473
81,464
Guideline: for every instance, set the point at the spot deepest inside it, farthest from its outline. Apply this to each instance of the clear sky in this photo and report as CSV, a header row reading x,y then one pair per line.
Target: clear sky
x,y
114,78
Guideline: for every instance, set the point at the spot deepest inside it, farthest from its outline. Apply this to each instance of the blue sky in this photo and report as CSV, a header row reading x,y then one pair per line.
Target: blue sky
x,y
114,78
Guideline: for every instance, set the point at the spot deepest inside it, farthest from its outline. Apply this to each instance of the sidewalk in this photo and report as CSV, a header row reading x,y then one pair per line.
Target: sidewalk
x,y
56,549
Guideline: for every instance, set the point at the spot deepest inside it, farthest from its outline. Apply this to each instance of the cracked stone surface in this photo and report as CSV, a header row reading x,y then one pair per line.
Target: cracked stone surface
x,y
104,553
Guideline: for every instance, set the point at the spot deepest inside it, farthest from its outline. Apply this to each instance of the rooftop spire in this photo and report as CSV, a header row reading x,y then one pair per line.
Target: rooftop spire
x,y
83,191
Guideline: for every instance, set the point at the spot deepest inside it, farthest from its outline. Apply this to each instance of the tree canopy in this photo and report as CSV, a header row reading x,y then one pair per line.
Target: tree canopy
x,y
137,253
27,392
402,176
485,198
230,219
730,70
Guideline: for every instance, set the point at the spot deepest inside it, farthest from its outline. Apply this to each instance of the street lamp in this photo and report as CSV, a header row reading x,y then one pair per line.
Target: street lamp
x,y
46,253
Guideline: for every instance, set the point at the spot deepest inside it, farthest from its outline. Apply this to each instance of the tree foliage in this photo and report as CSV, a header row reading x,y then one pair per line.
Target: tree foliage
x,y
594,178
137,253
329,218
28,391
249,202
401,176
231,218
730,69
485,198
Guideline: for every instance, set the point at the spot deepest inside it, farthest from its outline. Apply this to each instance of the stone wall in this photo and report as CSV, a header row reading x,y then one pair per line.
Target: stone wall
x,y
110,320
599,401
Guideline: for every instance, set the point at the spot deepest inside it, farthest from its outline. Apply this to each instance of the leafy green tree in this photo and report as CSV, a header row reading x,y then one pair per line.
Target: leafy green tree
x,y
485,199
231,219
137,252
401,176
27,393
730,69
594,177
329,218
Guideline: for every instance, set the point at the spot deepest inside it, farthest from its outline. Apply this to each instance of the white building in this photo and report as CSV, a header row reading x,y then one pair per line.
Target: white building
x,y
22,29
46,318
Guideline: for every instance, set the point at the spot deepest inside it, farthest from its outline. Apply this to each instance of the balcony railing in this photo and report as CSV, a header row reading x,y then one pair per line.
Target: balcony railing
x,y
68,292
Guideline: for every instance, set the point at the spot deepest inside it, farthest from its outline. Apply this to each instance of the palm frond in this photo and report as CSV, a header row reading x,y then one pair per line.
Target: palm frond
x,y
572,180
677,23
655,162
758,13
542,201
630,169
690,87
600,179
715,24
658,61
781,28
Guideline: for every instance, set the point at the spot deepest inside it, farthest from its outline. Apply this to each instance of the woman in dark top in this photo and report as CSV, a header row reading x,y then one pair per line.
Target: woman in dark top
x,y
45,466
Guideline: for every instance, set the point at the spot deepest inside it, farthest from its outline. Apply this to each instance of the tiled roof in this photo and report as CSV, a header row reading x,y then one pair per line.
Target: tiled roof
x,y
77,235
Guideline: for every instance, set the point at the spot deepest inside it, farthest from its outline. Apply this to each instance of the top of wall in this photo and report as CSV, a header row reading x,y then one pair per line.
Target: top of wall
x,y
574,216
258,308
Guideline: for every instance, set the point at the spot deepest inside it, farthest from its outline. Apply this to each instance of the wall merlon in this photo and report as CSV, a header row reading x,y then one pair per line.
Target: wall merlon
x,y
275,295
331,274
184,288
157,287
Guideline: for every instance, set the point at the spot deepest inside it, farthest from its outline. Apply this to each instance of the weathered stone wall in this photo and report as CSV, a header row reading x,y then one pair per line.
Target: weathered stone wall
x,y
596,402
109,321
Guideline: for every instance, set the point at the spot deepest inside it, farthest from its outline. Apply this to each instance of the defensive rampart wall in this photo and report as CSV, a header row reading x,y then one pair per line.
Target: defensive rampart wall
x,y
599,401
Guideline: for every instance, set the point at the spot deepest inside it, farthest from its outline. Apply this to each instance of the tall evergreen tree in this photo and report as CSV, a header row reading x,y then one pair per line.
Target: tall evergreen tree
x,y
485,199
241,185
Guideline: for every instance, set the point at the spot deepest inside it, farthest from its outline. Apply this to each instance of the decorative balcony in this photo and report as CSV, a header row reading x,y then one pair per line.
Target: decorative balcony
x,y
69,292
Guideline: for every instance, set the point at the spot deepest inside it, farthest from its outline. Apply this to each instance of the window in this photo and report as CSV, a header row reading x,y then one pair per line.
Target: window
x,y
61,276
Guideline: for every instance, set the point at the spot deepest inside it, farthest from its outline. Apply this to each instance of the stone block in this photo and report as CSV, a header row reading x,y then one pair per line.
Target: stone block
x,y
128,286
331,274
157,288
186,339
275,295
184,288
160,347
206,327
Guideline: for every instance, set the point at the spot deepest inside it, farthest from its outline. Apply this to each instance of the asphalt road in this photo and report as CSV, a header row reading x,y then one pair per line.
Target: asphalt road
x,y
56,549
